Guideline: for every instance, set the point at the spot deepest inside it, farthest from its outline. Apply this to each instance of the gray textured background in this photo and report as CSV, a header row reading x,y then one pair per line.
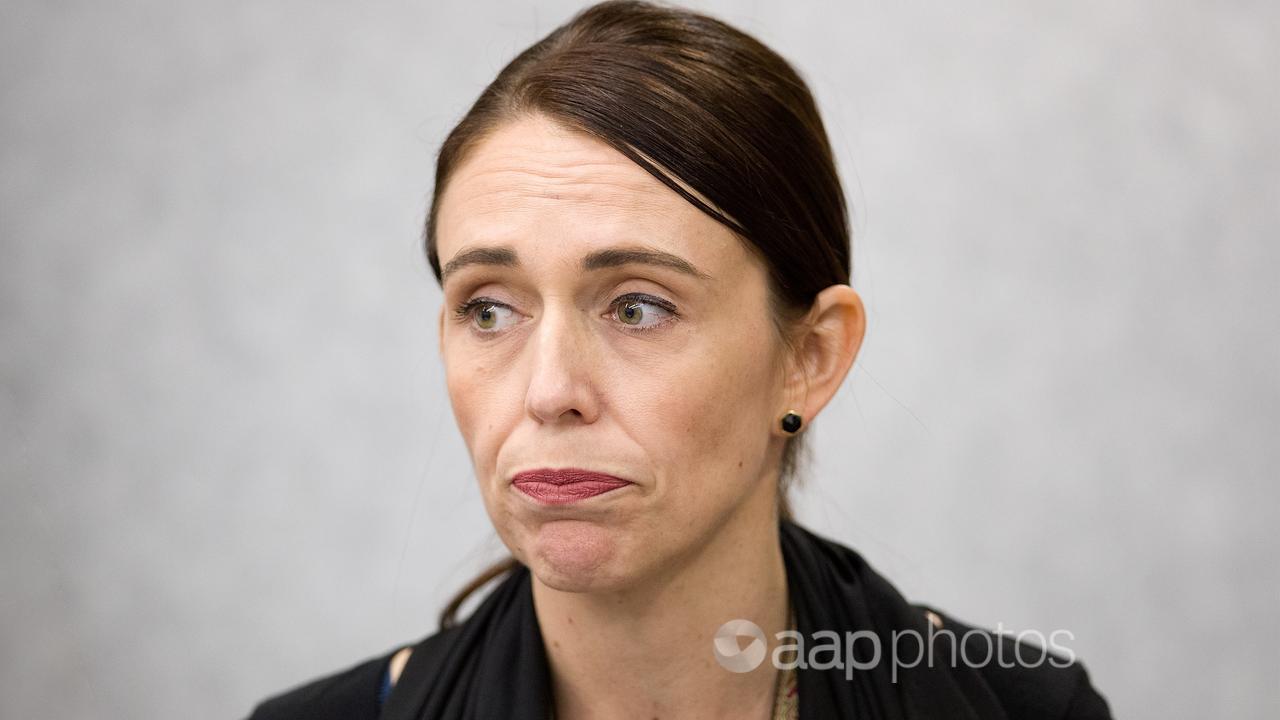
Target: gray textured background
x,y
229,464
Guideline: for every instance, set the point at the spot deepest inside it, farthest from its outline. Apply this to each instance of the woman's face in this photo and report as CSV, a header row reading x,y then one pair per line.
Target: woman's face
x,y
596,320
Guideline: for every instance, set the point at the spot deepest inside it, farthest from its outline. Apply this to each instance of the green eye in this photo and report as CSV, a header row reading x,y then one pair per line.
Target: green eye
x,y
486,318
630,312
484,315
638,312
642,312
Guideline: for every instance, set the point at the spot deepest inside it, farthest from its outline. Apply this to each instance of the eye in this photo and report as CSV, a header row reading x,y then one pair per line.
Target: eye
x,y
642,312
637,311
486,315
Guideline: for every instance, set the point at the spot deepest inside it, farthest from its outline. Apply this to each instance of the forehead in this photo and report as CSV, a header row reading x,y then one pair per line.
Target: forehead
x,y
533,178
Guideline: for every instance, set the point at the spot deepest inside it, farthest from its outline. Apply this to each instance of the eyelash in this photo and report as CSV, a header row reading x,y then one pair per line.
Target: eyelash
x,y
465,312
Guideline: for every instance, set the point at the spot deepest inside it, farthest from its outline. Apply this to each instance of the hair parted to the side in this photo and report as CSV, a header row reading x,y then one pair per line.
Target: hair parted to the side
x,y
696,103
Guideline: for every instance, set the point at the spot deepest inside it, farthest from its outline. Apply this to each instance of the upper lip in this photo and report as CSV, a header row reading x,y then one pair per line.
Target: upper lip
x,y
564,476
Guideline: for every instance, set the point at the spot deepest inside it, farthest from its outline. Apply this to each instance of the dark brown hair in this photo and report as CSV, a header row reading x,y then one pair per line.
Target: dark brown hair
x,y
691,100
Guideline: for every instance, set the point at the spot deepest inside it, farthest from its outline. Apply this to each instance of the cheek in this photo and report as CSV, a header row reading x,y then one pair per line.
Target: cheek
x,y
476,394
710,413
461,385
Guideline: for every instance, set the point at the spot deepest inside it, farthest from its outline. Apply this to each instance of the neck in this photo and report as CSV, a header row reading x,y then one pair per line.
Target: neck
x,y
646,652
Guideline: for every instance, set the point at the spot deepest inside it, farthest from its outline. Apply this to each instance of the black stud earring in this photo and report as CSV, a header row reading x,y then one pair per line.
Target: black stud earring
x,y
791,422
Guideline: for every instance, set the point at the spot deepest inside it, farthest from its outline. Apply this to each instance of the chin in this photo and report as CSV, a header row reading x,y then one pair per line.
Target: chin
x,y
574,555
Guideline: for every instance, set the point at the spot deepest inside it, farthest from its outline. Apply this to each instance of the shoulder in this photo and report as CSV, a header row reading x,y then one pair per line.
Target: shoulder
x,y
1032,676
350,694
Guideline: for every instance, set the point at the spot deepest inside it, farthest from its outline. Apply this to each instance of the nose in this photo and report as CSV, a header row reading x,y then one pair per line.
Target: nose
x,y
561,379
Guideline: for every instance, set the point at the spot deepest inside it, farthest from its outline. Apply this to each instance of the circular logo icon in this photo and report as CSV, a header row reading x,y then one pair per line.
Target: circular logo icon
x,y
730,653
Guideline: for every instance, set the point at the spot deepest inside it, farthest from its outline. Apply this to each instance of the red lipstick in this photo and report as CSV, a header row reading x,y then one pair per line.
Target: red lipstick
x,y
561,487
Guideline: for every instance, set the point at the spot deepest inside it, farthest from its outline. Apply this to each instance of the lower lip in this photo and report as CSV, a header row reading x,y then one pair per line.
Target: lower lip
x,y
553,494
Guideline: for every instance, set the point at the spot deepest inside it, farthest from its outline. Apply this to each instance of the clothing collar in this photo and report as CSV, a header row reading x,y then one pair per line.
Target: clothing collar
x,y
493,666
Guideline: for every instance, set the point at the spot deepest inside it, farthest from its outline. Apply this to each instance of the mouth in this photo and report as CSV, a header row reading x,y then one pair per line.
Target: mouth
x,y
565,486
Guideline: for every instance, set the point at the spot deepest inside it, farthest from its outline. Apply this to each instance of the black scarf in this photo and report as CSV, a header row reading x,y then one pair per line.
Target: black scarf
x,y
493,666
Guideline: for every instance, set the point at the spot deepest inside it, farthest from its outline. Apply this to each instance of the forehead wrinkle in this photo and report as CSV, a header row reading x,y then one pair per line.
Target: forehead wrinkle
x,y
563,154
525,174
537,158
584,183
612,215
504,197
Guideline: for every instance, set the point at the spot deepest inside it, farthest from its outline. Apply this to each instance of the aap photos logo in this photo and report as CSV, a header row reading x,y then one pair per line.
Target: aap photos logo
x,y
731,654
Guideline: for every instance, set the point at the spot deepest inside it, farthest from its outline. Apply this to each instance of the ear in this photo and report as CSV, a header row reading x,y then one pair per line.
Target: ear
x,y
825,348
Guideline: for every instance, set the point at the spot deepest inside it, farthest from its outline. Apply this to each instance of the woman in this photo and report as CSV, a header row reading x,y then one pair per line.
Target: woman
x,y
643,246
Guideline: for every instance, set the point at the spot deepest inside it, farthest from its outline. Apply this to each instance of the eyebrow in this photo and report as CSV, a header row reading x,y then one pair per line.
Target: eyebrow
x,y
503,255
